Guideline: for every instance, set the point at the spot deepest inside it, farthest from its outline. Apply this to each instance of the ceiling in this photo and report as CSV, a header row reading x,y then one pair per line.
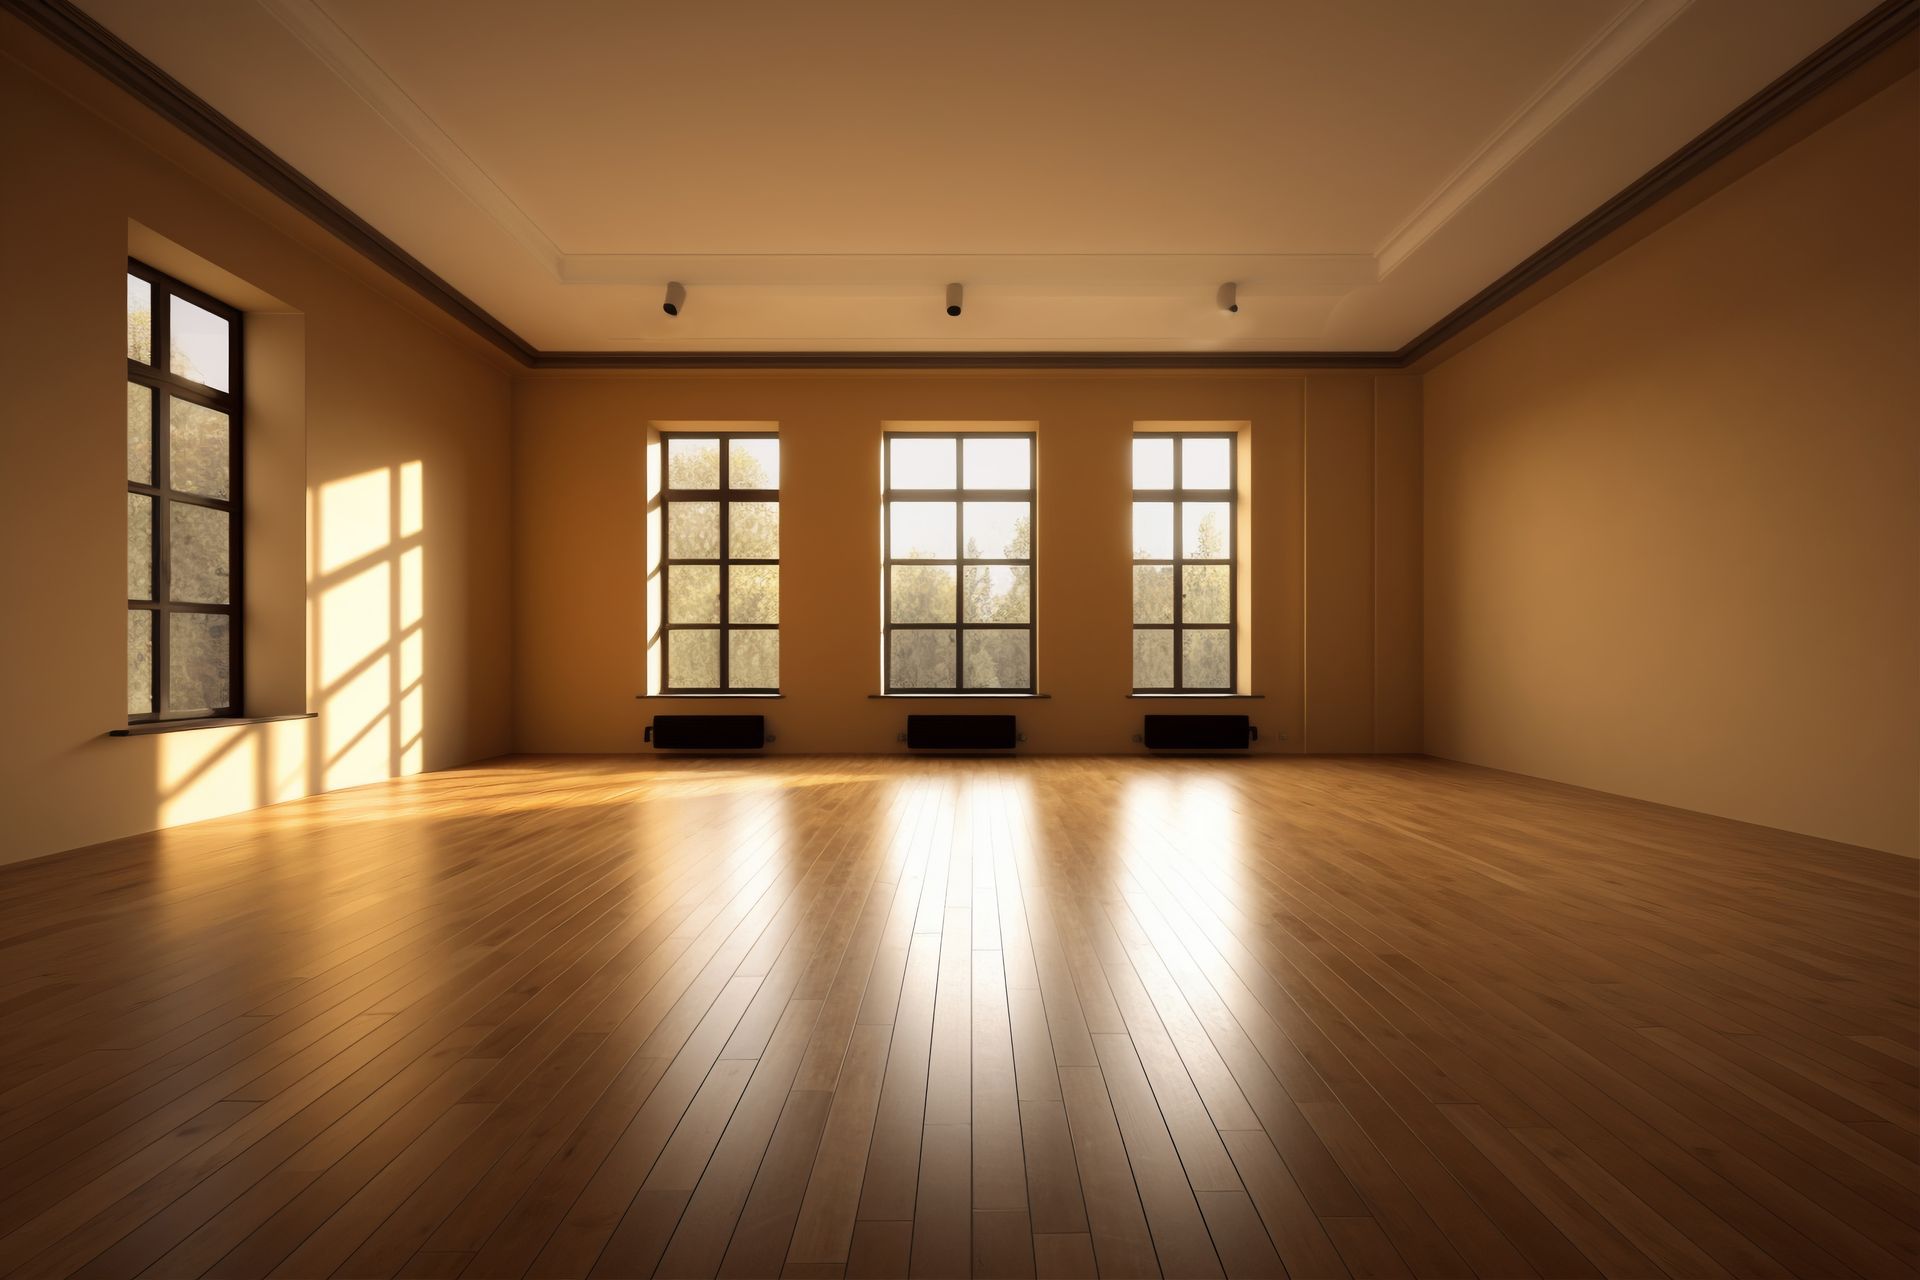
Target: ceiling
x,y
1091,170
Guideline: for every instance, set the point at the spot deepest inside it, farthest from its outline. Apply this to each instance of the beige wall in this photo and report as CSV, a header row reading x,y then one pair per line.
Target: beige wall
x,y
1336,670
1658,535
1673,512
378,503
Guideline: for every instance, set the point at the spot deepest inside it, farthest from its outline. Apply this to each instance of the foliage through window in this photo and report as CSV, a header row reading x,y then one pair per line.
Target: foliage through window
x,y
183,501
1183,563
958,588
721,572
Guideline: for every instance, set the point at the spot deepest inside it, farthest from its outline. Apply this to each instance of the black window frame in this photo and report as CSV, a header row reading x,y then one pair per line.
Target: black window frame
x,y
722,497
1177,495
165,385
959,495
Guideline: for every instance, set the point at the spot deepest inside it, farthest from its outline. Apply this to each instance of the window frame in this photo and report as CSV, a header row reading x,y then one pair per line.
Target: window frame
x,y
722,497
165,385
959,495
1176,496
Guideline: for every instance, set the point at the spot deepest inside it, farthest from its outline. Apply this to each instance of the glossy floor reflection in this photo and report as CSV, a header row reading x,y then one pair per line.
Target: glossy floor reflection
x,y
885,1017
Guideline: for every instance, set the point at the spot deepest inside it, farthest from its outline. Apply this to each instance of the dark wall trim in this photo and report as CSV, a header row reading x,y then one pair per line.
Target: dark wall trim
x,y
71,29
966,360
1852,49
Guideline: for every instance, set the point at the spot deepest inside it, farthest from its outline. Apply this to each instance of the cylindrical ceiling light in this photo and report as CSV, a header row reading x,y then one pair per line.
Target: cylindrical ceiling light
x,y
1228,298
676,298
954,292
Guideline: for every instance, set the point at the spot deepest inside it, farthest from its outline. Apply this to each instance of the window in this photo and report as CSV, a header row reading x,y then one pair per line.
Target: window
x,y
1183,563
183,501
720,576
959,563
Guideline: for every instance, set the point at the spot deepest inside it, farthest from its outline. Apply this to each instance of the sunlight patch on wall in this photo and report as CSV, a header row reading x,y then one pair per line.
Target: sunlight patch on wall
x,y
205,774
214,772
370,596
356,518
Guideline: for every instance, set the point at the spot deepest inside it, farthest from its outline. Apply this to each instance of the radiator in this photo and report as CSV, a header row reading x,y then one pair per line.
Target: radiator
x,y
961,733
1198,733
707,733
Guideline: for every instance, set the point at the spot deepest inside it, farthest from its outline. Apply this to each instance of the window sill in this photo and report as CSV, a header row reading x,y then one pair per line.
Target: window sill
x,y
950,697
705,697
1206,697
148,728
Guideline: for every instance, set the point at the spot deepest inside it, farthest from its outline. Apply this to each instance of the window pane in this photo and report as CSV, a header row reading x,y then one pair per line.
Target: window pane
x,y
1153,531
139,320
197,449
693,464
1153,593
753,593
693,530
754,530
922,462
198,554
1152,462
999,530
1003,463
198,661
999,659
999,593
922,592
139,434
1153,659
139,547
921,531
1206,462
693,593
139,662
753,464
753,659
693,659
1206,531
1206,593
920,660
1206,660
197,344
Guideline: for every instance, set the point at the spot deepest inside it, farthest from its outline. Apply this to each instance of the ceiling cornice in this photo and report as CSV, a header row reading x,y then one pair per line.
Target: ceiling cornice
x,y
93,44
1610,49
1885,26
75,31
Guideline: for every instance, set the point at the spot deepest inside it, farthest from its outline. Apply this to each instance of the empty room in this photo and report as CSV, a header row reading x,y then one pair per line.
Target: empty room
x,y
940,638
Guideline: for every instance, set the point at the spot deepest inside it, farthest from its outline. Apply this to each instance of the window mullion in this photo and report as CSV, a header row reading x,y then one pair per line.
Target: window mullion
x,y
160,323
726,509
1179,578
959,564
666,600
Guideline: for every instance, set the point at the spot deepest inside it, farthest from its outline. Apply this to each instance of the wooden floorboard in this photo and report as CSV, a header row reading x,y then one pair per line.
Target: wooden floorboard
x,y
616,1016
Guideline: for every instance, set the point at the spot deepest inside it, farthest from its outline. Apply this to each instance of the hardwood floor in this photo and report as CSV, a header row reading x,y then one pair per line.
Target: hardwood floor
x,y
888,1017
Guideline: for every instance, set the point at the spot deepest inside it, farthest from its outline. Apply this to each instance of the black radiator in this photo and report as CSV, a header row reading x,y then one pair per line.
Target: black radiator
x,y
708,733
1198,733
961,733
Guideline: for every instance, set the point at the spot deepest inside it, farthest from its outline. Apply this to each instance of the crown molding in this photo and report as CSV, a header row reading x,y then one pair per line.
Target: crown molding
x,y
1879,31
71,29
967,360
1610,49
67,26
315,28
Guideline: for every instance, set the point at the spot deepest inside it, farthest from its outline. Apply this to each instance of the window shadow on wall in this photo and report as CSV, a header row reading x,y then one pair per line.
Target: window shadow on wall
x,y
366,613
366,663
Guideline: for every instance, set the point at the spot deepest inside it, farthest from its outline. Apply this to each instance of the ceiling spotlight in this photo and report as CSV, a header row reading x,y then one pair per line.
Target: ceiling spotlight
x,y
676,298
953,299
1228,298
